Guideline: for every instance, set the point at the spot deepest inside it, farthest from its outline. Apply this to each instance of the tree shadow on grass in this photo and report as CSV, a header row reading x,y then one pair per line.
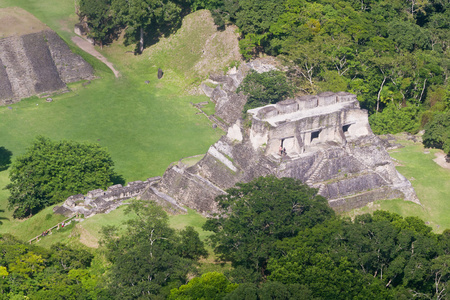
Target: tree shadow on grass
x,y
118,179
3,218
5,158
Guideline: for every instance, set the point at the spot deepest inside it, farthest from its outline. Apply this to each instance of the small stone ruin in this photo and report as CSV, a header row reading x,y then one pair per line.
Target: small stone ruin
x,y
99,201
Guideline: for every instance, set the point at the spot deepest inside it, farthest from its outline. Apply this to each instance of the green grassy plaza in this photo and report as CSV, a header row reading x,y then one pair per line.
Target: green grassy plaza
x,y
145,127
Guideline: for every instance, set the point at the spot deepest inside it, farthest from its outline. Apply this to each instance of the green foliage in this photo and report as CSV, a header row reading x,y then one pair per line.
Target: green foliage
x,y
99,19
32,272
191,246
5,158
69,258
145,18
394,120
394,49
209,286
270,290
151,258
51,171
372,253
437,132
257,214
326,278
265,88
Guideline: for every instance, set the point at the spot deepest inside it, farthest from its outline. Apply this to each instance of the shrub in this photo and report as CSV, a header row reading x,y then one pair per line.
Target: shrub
x,y
265,88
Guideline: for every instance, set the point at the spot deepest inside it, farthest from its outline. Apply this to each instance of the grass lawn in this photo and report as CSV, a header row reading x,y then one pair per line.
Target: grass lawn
x,y
145,127
432,185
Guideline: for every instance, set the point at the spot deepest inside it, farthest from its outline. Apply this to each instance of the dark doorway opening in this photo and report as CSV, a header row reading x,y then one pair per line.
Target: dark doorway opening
x,y
345,128
315,135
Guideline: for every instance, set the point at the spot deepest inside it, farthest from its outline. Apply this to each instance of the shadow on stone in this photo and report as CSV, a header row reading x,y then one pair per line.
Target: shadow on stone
x,y
5,158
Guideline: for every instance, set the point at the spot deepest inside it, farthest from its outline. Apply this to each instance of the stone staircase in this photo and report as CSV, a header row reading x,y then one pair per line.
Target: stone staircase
x,y
321,162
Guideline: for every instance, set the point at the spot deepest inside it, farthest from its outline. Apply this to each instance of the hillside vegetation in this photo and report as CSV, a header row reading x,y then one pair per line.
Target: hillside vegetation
x,y
394,55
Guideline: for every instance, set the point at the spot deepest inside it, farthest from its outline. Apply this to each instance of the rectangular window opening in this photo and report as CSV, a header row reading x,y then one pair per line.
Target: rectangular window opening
x,y
315,135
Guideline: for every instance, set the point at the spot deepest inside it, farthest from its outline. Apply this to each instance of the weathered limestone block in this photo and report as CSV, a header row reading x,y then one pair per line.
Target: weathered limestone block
x,y
362,199
164,200
114,187
230,108
345,97
287,106
307,102
71,67
95,193
326,98
268,112
190,190
207,90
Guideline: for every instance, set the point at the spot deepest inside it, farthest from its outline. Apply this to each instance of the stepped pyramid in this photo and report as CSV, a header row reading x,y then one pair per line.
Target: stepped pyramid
x,y
328,141
34,60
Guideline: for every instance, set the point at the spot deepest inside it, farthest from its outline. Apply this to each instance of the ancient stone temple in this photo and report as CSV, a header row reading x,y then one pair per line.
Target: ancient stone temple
x,y
323,140
328,145
303,124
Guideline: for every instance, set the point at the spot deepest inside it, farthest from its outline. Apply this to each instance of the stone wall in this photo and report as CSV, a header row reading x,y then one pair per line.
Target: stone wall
x,y
37,64
99,201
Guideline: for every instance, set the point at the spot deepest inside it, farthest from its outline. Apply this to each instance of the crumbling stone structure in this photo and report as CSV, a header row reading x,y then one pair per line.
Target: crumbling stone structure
x,y
229,104
329,146
326,142
37,64
99,201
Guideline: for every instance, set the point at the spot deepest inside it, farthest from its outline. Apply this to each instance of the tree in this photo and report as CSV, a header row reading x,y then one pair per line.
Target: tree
x,y
5,158
209,286
147,261
141,16
395,119
99,18
326,278
191,246
265,88
68,258
437,133
383,252
31,272
255,215
50,171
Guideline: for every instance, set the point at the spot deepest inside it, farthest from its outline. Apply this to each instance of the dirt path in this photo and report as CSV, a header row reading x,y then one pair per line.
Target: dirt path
x,y
440,160
89,48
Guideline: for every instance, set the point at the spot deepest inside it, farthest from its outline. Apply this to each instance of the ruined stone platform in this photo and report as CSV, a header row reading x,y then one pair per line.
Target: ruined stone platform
x,y
34,59
328,142
99,201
